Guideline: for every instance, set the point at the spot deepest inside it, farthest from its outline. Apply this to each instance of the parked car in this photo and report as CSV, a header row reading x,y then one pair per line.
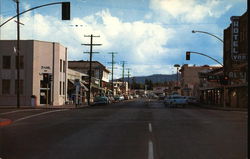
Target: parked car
x,y
119,98
191,100
161,97
101,100
175,100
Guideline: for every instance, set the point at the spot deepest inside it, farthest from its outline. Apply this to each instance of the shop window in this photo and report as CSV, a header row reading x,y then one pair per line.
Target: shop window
x,y
6,62
5,86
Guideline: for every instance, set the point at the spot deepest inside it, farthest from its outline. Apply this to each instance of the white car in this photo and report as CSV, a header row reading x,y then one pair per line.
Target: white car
x,y
175,100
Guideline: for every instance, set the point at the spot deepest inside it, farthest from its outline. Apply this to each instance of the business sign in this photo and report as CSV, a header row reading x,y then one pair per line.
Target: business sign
x,y
45,69
235,36
237,75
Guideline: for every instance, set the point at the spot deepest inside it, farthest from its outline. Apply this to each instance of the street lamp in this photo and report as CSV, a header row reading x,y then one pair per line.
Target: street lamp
x,y
197,31
224,88
177,70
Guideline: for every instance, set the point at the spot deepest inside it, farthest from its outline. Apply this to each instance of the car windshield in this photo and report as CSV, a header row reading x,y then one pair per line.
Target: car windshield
x,y
124,79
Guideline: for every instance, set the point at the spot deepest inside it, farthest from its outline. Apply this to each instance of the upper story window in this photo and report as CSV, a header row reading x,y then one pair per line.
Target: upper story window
x,y
64,66
60,65
6,62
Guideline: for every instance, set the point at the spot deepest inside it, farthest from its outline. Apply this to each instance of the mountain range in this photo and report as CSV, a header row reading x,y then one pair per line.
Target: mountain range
x,y
156,78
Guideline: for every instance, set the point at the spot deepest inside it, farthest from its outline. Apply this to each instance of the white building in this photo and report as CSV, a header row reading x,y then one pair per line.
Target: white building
x,y
37,58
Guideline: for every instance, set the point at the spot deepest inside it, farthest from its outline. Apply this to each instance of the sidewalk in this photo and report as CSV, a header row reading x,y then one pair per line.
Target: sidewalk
x,y
220,107
68,106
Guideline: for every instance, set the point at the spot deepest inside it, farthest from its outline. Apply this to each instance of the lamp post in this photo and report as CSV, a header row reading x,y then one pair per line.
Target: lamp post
x,y
177,70
224,87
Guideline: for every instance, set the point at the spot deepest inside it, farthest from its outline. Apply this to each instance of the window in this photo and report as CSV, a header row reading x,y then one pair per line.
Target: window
x,y
5,86
21,63
63,88
60,65
20,86
64,66
60,88
6,62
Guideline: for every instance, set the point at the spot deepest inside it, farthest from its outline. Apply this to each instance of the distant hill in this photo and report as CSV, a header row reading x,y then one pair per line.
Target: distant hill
x,y
154,78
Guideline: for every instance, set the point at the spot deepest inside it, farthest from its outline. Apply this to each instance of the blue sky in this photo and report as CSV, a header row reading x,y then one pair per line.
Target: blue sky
x,y
150,35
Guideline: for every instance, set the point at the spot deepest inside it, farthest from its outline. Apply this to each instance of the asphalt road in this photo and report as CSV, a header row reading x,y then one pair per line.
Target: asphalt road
x,y
128,130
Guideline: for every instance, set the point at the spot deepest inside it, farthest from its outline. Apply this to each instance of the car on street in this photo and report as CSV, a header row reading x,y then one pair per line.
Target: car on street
x,y
191,100
175,100
101,100
119,98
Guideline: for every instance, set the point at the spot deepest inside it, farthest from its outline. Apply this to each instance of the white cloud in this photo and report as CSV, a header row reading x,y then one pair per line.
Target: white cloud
x,y
143,45
191,10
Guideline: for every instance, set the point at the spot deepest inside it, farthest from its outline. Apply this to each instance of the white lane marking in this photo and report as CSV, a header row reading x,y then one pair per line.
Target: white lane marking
x,y
15,111
150,150
150,127
30,116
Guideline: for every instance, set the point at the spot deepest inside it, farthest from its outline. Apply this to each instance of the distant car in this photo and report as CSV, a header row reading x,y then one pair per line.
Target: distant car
x,y
191,100
101,100
119,98
161,97
175,100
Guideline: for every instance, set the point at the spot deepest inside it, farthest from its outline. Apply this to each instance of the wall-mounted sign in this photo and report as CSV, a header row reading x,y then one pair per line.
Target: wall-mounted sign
x,y
46,69
237,75
235,25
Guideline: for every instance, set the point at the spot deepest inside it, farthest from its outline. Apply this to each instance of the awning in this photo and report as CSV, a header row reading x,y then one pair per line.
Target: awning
x,y
81,84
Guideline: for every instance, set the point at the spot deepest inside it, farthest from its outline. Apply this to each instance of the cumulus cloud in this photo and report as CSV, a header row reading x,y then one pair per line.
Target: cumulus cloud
x,y
191,10
148,47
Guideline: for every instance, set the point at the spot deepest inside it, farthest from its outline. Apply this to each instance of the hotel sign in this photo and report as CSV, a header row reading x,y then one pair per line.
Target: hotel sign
x,y
235,35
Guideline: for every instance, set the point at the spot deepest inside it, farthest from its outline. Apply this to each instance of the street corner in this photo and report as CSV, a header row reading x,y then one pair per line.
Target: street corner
x,y
5,122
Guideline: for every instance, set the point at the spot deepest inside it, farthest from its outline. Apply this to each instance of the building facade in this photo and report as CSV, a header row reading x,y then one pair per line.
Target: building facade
x,y
190,80
236,60
38,60
99,75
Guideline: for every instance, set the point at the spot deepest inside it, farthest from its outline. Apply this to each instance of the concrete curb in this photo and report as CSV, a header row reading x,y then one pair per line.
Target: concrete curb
x,y
222,108
5,122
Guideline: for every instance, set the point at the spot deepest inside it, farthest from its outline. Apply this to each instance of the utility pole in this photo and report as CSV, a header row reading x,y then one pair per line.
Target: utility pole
x,y
112,75
128,80
90,62
18,54
123,67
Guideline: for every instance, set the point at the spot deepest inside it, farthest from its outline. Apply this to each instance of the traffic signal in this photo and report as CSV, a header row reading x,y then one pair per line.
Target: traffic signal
x,y
187,55
224,80
46,77
50,78
65,10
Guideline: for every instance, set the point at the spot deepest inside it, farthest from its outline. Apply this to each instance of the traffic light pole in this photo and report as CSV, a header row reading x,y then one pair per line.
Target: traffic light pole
x,y
205,55
18,14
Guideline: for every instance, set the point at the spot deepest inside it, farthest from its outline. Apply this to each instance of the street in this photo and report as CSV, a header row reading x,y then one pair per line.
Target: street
x,y
138,129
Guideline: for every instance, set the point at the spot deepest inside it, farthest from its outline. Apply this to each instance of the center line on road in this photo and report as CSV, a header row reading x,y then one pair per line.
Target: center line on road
x,y
150,150
30,116
150,127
